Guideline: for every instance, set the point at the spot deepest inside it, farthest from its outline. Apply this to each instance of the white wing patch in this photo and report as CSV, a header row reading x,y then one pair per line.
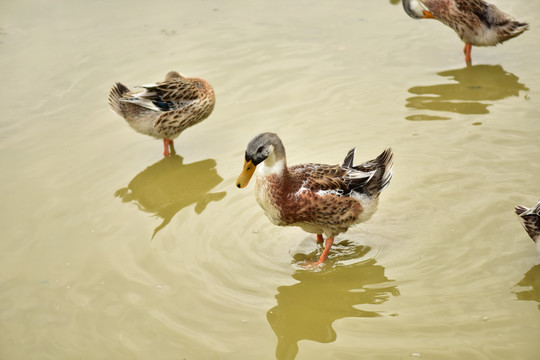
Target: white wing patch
x,y
145,103
302,190
329,192
143,98
353,174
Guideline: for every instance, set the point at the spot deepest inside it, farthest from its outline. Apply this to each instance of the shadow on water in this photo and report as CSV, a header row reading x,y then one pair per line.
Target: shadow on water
x,y
530,286
307,309
169,185
471,93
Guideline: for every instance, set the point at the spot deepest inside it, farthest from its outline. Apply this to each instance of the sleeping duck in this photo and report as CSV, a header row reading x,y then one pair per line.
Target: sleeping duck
x,y
320,199
475,21
164,109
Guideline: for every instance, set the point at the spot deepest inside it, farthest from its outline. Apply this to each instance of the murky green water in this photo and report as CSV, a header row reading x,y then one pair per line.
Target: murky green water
x,y
109,250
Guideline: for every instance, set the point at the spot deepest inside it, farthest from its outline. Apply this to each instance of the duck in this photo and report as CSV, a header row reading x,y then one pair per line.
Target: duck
x,y
320,199
164,109
530,219
476,22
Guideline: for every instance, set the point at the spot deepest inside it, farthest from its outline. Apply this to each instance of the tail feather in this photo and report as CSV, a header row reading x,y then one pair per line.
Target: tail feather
x,y
386,161
348,162
520,209
513,29
381,168
116,93
530,219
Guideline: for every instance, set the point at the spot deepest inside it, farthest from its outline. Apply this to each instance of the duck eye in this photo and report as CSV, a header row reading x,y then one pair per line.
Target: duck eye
x,y
260,149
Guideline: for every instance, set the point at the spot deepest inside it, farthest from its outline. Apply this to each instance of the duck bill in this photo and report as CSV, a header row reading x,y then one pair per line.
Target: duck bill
x,y
428,15
247,173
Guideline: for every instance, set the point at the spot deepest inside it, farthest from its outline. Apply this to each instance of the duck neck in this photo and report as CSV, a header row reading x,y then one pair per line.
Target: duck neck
x,y
275,163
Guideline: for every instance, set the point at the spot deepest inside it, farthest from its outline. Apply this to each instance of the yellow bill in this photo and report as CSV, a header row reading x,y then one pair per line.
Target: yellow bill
x,y
247,173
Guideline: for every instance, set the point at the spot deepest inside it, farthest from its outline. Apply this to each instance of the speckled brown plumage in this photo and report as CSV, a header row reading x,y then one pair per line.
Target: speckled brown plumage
x,y
476,22
299,196
530,219
319,198
164,109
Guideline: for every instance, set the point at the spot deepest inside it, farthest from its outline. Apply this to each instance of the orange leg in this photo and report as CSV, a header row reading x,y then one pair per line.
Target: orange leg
x,y
320,239
324,254
166,144
467,51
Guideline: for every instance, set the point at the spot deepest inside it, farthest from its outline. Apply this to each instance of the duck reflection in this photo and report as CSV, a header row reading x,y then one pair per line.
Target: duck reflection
x,y
307,309
530,285
169,185
475,87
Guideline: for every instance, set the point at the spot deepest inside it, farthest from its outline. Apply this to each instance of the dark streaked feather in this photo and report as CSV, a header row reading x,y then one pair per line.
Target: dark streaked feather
x,y
348,161
370,177
530,219
479,8
116,93
175,90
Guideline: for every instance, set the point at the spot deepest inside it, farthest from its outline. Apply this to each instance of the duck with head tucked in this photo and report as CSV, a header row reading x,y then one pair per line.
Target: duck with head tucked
x,y
530,219
320,199
164,109
476,22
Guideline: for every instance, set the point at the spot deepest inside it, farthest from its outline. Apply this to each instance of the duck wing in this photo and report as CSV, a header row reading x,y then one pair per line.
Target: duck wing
x,y
169,95
488,14
369,178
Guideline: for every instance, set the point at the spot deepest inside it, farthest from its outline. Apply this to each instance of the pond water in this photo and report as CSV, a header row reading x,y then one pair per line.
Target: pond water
x,y
109,250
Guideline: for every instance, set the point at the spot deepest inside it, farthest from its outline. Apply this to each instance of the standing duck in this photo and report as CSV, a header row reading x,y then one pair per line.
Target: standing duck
x,y
320,199
530,219
475,21
164,109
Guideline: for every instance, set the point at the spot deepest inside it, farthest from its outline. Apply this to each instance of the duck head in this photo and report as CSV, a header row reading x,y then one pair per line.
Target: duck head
x,y
263,147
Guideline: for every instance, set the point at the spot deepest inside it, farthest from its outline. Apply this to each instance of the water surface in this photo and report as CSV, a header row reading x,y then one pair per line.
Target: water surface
x,y
111,251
